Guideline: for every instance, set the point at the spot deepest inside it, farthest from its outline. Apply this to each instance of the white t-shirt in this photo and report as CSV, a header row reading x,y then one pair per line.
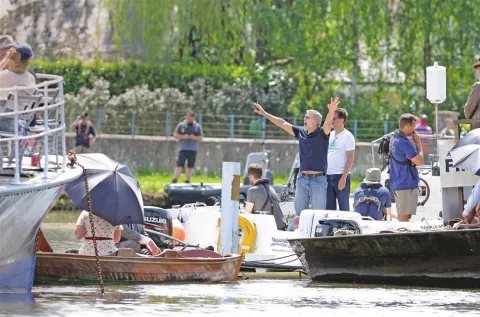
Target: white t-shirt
x,y
338,146
9,79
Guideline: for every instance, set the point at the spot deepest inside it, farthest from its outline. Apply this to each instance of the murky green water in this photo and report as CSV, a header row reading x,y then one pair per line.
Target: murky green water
x,y
244,298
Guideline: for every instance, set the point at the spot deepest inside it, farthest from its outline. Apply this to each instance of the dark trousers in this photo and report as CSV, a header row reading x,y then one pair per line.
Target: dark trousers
x,y
333,194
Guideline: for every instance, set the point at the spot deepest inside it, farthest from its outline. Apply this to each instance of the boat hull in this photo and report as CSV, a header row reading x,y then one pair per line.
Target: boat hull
x,y
139,269
438,259
21,213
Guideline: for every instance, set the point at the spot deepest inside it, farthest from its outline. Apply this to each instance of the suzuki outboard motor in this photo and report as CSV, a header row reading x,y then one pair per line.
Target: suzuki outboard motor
x,y
328,227
160,220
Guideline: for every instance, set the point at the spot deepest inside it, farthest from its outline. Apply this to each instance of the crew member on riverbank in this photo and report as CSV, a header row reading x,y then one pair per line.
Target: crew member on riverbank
x,y
341,153
189,133
472,107
83,130
311,185
404,156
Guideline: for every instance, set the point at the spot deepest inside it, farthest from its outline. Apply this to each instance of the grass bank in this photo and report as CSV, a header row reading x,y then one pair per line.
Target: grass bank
x,y
155,182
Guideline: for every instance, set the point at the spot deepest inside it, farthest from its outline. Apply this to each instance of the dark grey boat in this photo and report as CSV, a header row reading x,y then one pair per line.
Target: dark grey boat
x,y
435,259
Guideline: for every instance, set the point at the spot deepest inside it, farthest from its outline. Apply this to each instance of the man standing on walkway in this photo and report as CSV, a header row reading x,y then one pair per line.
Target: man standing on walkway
x,y
472,107
404,156
341,153
311,186
83,130
189,133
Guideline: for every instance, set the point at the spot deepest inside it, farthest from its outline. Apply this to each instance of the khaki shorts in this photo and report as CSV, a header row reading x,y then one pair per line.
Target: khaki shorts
x,y
406,201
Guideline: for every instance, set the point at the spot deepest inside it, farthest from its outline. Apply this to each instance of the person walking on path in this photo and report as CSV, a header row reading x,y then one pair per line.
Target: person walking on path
x,y
404,156
341,153
189,133
311,185
472,107
83,130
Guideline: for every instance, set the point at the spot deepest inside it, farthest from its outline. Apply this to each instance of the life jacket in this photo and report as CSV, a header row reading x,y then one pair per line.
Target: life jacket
x,y
366,197
408,162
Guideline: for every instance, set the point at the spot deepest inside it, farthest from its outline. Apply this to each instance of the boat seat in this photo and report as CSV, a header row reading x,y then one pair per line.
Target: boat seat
x,y
126,252
169,254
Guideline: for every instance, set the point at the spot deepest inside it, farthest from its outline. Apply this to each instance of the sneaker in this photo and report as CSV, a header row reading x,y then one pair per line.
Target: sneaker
x,y
187,182
174,181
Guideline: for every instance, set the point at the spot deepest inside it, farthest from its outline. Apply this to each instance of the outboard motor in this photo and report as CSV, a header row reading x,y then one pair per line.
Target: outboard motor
x,y
328,227
159,220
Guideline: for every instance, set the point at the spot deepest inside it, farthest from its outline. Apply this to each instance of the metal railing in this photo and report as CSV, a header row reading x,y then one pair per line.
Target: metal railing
x,y
53,125
224,126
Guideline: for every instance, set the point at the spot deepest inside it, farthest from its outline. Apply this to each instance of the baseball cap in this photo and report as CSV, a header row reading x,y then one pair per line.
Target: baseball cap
x,y
6,42
25,50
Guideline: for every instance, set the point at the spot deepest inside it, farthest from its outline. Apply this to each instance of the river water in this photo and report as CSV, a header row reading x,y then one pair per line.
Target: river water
x,y
251,297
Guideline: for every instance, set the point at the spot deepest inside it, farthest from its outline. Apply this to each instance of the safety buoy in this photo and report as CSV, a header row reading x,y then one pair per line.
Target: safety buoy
x,y
247,236
178,231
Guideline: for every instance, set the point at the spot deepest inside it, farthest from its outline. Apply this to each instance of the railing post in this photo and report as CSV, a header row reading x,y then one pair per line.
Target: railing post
x,y
45,129
16,179
294,124
167,124
62,114
200,118
355,127
133,123
264,127
385,127
99,121
232,126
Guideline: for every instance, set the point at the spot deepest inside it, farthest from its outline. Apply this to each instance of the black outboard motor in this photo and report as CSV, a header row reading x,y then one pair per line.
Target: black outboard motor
x,y
159,220
328,227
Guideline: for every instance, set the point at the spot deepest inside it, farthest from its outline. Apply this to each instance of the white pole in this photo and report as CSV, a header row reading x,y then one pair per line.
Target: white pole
x,y
229,208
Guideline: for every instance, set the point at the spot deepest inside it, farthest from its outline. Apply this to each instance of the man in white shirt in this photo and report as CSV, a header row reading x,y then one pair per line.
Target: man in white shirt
x,y
341,153
472,203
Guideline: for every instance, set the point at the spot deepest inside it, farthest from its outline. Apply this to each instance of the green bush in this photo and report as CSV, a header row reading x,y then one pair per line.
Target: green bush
x,y
126,75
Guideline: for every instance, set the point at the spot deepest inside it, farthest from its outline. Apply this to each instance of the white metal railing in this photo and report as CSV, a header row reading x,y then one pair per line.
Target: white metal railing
x,y
52,128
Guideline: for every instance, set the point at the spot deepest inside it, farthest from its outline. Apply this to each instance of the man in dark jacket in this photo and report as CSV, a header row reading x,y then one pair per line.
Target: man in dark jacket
x,y
83,130
372,198
134,236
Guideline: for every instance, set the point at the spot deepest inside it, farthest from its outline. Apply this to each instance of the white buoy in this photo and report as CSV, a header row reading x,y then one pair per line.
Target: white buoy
x,y
230,207
436,88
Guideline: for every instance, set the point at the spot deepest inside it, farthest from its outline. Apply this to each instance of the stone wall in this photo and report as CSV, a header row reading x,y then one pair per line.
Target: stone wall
x,y
160,153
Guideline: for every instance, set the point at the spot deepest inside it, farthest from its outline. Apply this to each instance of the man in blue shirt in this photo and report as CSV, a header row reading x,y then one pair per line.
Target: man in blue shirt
x,y
372,198
404,156
472,203
311,186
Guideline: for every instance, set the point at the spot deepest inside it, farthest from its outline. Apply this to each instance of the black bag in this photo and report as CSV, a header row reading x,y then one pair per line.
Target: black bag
x,y
275,208
384,146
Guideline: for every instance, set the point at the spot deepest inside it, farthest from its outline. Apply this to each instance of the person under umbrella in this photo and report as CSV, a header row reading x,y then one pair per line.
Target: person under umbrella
x,y
105,234
466,155
115,197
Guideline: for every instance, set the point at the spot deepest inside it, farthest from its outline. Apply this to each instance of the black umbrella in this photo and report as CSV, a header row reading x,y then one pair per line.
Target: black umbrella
x,y
466,153
115,194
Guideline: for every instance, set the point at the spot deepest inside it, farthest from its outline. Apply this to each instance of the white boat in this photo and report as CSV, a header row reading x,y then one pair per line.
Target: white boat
x,y
30,181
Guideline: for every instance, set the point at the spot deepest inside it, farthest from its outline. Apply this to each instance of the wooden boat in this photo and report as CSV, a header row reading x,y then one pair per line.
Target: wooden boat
x,y
170,265
437,258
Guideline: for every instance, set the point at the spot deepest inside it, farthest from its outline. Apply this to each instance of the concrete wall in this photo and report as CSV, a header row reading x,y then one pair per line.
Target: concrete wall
x,y
160,152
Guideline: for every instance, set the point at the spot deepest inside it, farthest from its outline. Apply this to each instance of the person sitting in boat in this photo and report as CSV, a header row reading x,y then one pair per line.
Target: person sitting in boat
x,y
372,198
134,237
262,197
257,196
473,204
106,235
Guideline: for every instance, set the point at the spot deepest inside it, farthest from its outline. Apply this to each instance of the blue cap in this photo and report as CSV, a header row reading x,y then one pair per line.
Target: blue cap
x,y
25,50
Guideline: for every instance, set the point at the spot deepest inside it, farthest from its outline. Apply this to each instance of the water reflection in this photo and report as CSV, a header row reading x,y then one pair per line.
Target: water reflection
x,y
244,298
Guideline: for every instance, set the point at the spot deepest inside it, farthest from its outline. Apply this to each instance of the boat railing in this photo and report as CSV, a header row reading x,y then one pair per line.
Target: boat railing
x,y
51,104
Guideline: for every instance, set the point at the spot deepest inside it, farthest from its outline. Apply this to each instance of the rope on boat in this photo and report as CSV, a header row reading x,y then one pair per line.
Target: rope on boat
x,y
73,161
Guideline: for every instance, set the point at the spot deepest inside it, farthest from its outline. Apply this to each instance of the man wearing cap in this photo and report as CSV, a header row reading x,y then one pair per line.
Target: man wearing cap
x,y
83,130
372,198
472,107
